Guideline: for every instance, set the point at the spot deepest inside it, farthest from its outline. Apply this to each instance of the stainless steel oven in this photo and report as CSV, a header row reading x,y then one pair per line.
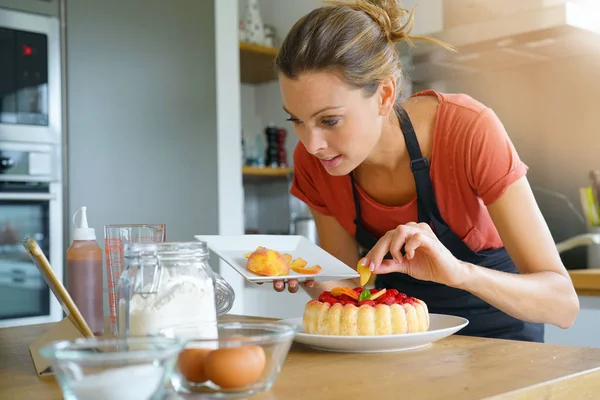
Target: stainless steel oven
x,y
30,205
31,151
30,74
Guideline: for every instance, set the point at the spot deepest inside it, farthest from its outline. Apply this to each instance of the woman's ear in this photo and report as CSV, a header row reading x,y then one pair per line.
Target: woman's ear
x,y
387,96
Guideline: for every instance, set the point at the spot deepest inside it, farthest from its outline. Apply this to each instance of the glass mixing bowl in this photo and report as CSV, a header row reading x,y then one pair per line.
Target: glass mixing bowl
x,y
137,368
230,359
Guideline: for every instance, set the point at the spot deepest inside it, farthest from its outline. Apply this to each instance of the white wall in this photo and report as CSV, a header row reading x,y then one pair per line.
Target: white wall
x,y
229,155
261,104
142,115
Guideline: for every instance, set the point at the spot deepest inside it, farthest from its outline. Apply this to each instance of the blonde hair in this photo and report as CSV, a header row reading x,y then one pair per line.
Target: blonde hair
x,y
356,40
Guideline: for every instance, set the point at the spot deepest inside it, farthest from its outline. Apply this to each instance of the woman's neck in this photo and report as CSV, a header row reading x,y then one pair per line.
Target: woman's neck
x,y
390,151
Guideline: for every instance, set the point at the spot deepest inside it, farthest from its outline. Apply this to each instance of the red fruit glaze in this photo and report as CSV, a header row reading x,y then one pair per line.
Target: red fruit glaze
x,y
367,302
391,296
388,301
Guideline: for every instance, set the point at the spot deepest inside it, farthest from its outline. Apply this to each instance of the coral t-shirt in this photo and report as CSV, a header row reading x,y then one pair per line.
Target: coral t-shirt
x,y
473,162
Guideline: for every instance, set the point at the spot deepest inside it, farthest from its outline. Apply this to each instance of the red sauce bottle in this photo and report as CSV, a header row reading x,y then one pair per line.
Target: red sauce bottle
x,y
84,274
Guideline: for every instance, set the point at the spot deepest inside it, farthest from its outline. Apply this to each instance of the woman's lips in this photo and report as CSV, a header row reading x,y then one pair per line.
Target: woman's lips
x,y
331,162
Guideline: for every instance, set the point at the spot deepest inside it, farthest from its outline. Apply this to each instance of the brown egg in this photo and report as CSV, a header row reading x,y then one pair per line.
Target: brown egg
x,y
191,364
234,367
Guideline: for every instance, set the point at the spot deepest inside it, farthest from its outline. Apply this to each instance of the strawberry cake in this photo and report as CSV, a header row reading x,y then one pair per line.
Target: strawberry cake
x,y
362,312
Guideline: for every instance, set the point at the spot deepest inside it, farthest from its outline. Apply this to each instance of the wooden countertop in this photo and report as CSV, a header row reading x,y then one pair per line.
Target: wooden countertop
x,y
586,281
457,367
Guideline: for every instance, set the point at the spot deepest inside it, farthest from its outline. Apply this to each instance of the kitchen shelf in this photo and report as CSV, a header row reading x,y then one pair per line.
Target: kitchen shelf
x,y
266,171
257,63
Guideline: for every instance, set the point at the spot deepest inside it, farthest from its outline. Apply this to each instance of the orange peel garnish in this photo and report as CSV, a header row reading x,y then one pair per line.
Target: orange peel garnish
x,y
298,263
315,269
338,291
364,272
377,295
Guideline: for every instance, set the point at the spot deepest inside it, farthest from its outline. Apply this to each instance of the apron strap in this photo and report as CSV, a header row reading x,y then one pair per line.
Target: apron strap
x,y
428,208
419,165
357,219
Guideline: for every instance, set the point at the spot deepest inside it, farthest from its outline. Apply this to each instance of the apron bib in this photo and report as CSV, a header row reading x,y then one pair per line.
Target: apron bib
x,y
484,319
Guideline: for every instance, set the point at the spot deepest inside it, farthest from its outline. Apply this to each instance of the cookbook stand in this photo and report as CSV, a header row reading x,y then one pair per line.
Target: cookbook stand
x,y
72,327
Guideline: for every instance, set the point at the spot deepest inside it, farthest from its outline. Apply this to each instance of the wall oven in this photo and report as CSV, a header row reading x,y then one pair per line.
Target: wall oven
x,y
31,190
30,205
30,91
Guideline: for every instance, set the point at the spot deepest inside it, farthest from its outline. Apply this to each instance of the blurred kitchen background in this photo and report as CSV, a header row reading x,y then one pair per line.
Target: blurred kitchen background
x,y
169,112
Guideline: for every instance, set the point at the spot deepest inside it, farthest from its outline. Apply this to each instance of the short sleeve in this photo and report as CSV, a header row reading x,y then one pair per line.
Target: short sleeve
x,y
304,181
492,162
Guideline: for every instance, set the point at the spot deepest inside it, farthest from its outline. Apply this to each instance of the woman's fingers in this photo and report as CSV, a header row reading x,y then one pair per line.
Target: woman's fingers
x,y
279,286
375,256
292,285
401,233
392,241
415,241
389,266
309,284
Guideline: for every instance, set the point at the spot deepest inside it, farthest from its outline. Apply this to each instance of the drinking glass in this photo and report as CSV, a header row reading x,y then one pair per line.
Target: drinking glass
x,y
115,238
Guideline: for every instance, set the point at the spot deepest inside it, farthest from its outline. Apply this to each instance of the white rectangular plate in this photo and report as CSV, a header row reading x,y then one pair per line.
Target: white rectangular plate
x,y
231,249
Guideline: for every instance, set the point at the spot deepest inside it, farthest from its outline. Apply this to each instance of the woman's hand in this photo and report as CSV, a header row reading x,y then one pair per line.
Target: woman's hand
x,y
293,286
426,258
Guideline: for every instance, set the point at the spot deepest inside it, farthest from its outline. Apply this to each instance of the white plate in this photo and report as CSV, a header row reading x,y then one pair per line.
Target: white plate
x,y
232,249
440,326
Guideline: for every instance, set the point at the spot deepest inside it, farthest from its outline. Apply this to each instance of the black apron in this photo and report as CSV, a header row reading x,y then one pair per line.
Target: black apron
x,y
484,319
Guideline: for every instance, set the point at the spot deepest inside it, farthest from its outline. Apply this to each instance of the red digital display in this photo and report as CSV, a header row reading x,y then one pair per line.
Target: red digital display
x,y
27,51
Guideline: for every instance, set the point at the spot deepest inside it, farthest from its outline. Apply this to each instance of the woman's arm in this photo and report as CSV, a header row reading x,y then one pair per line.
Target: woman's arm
x,y
543,292
335,240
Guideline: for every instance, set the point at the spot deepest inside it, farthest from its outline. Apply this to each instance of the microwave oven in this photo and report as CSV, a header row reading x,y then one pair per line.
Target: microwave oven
x,y
30,78
31,164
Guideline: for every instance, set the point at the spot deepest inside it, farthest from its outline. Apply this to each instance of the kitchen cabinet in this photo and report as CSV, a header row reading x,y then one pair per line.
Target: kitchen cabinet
x,y
429,16
46,7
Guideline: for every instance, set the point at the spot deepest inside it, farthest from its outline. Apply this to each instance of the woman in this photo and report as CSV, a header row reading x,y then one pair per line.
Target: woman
x,y
432,186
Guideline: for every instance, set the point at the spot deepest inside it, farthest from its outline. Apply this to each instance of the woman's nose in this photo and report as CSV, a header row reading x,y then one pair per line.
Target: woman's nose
x,y
315,143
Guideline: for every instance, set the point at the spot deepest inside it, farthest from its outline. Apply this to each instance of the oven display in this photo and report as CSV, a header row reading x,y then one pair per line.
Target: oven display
x,y
23,77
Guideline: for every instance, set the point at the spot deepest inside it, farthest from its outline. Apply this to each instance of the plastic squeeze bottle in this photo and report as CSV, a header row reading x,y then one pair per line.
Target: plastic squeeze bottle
x,y
84,273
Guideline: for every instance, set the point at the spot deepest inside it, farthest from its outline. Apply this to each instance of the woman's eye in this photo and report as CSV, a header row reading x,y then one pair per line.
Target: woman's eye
x,y
330,121
293,120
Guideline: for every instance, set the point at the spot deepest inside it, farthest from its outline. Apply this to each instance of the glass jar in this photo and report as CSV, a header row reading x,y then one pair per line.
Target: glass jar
x,y
169,284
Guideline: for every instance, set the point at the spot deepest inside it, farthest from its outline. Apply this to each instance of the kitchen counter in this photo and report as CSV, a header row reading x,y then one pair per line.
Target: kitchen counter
x,y
457,367
586,281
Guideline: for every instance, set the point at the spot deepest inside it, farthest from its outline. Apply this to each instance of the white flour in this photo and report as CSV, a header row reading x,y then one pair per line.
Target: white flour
x,y
135,382
180,301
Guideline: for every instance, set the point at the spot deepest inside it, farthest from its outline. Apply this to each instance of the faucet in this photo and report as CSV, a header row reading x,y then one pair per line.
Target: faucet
x,y
585,239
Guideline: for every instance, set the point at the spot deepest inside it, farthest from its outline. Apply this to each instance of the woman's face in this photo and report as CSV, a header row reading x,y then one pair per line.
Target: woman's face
x,y
336,123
